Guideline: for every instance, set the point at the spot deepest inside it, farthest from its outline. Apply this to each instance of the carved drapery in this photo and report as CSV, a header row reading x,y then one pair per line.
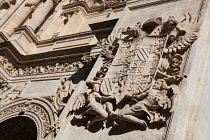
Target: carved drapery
x,y
140,74
39,110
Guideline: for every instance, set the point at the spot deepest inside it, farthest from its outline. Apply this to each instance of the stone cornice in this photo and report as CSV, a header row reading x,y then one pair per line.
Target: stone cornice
x,y
68,55
34,42
92,9
135,4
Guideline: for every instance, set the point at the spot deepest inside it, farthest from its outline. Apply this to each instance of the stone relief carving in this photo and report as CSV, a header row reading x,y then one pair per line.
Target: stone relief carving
x,y
146,62
106,4
9,93
91,101
39,110
61,97
11,70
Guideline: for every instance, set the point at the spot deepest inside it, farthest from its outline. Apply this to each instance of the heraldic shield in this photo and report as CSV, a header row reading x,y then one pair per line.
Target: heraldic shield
x,y
141,70
134,66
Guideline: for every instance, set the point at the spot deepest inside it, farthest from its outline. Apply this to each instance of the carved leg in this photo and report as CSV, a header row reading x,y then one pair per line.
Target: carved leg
x,y
133,119
102,117
109,107
129,115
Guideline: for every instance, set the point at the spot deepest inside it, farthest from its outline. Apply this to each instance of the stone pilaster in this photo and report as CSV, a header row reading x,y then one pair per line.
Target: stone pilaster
x,y
40,14
19,17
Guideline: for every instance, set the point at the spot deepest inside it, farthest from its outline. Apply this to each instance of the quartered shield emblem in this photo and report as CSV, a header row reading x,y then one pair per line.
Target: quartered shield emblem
x,y
135,66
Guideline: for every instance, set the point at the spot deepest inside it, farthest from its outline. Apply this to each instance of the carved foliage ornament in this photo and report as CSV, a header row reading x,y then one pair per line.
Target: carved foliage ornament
x,y
13,71
39,110
145,64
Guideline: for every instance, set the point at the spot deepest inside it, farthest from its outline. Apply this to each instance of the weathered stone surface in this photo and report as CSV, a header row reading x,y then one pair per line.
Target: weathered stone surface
x,y
105,70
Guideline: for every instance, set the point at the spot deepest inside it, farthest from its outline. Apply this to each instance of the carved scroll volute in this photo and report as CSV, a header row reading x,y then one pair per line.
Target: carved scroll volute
x,y
140,74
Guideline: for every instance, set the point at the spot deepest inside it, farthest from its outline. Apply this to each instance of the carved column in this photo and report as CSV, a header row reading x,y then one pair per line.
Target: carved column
x,y
40,14
4,17
20,16
53,22
5,6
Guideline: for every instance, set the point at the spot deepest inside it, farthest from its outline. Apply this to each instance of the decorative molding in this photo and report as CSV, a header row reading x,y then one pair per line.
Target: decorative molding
x,y
134,5
59,56
12,71
39,110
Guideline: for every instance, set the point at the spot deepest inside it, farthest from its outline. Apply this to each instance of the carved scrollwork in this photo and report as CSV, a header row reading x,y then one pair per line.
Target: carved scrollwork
x,y
13,71
145,63
39,110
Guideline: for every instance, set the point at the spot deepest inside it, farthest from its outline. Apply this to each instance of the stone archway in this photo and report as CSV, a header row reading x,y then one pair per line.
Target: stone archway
x,y
35,111
18,128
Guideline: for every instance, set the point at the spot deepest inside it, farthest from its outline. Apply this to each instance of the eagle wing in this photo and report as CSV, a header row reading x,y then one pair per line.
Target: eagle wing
x,y
190,26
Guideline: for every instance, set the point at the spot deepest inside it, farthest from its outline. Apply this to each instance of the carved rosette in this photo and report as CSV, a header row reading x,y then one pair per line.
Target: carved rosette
x,y
39,110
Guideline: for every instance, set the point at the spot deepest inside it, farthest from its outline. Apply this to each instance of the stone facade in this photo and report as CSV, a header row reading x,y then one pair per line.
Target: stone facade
x,y
104,70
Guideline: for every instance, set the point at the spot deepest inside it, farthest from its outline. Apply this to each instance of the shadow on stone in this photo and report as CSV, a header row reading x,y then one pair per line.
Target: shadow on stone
x,y
124,127
83,122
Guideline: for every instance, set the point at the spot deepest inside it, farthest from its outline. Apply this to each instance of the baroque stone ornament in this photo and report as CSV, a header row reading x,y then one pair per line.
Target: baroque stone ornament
x,y
64,90
9,93
138,81
64,67
39,110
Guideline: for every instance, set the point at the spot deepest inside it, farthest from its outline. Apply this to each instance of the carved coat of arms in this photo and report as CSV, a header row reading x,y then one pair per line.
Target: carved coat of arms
x,y
142,67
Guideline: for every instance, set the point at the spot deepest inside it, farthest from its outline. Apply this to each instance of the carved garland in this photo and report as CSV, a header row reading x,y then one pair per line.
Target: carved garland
x,y
12,71
39,110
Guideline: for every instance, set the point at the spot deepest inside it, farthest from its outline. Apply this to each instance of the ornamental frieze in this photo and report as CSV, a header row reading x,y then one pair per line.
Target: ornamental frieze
x,y
139,78
57,67
39,110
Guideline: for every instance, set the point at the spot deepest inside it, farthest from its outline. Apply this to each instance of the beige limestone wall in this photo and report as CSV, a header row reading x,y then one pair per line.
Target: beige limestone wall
x,y
180,127
191,117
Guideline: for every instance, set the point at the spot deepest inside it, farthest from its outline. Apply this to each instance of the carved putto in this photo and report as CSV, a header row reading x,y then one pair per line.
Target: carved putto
x,y
64,90
145,63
